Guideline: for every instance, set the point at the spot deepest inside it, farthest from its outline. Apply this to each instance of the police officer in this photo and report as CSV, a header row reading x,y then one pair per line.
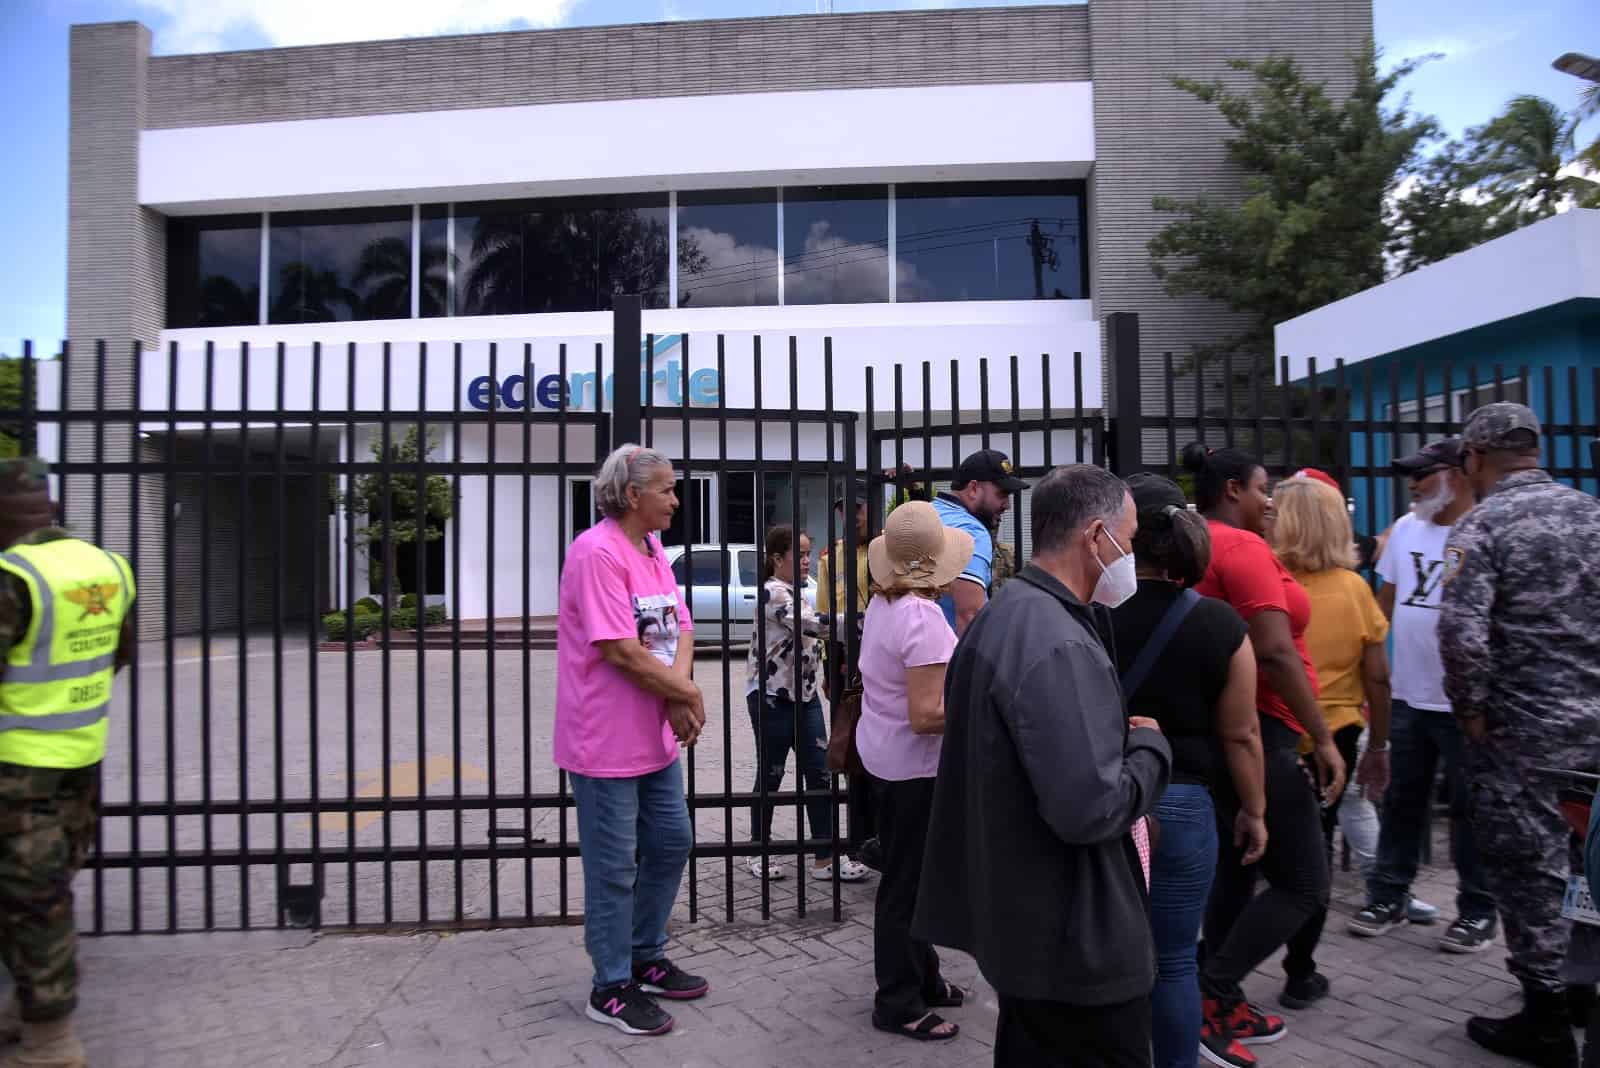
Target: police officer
x,y
1519,635
64,633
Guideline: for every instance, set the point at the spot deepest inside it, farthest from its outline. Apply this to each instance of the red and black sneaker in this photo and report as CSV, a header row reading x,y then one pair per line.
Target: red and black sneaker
x,y
1252,1027
665,979
1218,1046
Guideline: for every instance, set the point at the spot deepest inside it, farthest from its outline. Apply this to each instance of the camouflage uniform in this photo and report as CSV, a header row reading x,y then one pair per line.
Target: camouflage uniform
x,y
47,819
1003,566
1519,634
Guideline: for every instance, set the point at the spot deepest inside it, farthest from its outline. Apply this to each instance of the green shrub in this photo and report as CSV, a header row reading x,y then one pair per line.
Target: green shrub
x,y
368,604
365,623
408,601
406,618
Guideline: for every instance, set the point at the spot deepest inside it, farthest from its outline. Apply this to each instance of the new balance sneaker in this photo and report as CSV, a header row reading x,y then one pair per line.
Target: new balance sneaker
x,y
1468,936
1421,913
1218,1046
626,1008
666,980
1377,919
1303,991
1252,1027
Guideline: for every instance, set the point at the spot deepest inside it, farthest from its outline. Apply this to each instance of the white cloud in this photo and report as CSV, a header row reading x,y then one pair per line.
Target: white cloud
x,y
212,25
1464,42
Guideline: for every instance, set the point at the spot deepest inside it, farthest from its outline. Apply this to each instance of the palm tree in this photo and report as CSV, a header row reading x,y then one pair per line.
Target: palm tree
x,y
1518,157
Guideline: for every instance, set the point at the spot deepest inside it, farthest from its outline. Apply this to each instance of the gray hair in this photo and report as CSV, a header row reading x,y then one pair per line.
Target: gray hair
x,y
628,465
1071,497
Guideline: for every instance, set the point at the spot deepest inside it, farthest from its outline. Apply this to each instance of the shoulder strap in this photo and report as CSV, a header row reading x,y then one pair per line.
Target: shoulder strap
x,y
1170,622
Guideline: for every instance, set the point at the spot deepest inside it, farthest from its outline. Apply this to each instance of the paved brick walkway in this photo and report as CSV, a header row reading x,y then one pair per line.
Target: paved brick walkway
x,y
785,993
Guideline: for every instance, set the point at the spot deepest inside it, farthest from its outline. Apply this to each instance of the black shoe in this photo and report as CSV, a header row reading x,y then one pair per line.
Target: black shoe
x,y
1540,1034
666,980
626,1008
871,853
1303,991
1377,919
1468,936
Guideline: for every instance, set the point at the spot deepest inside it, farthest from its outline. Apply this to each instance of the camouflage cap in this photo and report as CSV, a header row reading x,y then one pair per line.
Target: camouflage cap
x,y
25,492
1501,426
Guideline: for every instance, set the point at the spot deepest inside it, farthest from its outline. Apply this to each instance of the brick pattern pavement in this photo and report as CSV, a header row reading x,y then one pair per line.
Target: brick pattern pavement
x,y
785,993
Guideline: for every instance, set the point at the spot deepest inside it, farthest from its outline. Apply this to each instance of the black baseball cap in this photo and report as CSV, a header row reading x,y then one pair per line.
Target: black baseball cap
x,y
852,488
1445,453
988,465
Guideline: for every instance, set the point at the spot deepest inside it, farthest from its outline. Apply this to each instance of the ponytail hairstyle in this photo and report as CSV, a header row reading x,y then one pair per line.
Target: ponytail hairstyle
x,y
1170,537
779,541
1213,469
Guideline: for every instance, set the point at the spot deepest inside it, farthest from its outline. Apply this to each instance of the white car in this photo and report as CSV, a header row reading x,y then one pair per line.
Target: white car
x,y
702,590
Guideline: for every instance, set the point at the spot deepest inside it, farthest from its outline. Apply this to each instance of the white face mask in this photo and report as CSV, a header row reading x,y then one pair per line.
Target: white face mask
x,y
1434,503
1118,581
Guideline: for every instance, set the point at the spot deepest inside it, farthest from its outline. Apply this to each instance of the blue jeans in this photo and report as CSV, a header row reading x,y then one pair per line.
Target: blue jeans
x,y
1181,869
773,722
626,901
1418,740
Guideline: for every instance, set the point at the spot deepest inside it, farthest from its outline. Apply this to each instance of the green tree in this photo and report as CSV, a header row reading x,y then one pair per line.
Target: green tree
x,y
1518,156
1442,212
1318,171
403,491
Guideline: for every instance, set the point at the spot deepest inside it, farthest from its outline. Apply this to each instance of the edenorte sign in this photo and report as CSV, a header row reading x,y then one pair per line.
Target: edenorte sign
x,y
519,391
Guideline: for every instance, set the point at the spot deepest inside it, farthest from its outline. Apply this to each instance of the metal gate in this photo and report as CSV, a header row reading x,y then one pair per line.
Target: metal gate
x,y
280,755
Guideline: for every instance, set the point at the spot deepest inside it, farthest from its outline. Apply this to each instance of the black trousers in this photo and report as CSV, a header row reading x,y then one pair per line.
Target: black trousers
x,y
1301,958
1053,1034
1244,928
907,969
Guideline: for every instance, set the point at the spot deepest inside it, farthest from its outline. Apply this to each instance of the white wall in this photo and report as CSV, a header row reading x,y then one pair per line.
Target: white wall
x,y
1547,263
964,131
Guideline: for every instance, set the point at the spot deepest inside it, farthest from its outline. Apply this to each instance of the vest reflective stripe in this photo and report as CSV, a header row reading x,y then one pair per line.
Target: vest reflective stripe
x,y
44,611
76,669
56,721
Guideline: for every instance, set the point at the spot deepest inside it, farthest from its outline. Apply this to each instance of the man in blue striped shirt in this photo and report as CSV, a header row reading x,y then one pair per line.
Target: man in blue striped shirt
x,y
979,495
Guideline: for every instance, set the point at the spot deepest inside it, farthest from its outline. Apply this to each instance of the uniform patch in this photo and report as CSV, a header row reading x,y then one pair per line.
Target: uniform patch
x,y
1453,559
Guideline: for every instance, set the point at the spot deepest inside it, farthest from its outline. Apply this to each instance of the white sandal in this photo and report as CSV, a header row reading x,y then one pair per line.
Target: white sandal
x,y
773,870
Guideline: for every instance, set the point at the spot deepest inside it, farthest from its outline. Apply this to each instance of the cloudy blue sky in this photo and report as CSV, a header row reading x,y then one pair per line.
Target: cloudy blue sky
x,y
1492,50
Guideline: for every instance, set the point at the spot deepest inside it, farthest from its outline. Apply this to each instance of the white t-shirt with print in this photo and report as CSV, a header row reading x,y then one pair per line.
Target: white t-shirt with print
x,y
1413,561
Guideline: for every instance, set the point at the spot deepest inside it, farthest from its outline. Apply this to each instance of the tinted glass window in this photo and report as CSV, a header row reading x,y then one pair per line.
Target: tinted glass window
x,y
747,568
728,248
680,568
214,271
560,255
835,244
333,266
708,568
434,299
990,241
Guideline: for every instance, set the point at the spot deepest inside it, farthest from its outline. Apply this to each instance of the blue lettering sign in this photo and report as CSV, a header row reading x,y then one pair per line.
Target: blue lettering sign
x,y
519,391
479,391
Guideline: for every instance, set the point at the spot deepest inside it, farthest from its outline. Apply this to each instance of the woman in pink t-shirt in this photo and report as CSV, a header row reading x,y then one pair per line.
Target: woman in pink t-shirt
x,y
904,649
625,700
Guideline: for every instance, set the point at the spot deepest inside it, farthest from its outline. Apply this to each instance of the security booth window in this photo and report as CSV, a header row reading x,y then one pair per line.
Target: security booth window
x,y
990,241
340,266
728,248
835,244
213,271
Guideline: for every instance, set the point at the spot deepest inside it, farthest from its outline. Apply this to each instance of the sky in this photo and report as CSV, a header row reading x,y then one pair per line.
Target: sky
x,y
1490,50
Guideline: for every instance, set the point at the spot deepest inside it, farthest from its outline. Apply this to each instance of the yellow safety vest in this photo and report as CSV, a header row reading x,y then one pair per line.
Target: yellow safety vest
x,y
56,690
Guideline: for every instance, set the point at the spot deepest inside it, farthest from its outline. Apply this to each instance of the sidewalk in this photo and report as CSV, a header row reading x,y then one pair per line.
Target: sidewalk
x,y
787,993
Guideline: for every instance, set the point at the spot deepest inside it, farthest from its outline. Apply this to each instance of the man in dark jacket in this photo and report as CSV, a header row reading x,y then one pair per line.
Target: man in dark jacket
x,y
1030,864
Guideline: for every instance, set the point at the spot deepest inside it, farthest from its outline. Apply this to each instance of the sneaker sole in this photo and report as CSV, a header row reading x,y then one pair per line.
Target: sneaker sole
x,y
1362,930
1218,1059
615,1021
676,995
1457,947
1263,1040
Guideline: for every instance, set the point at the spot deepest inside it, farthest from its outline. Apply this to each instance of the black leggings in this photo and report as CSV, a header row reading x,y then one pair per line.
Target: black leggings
x,y
1300,960
1243,928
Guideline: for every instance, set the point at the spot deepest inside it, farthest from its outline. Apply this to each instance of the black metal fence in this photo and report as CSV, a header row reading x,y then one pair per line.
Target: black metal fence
x,y
271,763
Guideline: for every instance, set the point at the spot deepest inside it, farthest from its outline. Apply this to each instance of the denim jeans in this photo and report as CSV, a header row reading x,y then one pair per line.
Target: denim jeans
x,y
774,727
626,901
1418,740
1181,870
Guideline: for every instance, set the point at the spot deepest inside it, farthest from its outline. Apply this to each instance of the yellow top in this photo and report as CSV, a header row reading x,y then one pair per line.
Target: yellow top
x,y
831,589
1345,619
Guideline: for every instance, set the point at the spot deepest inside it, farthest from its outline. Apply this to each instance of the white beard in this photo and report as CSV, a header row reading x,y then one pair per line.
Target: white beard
x,y
1430,506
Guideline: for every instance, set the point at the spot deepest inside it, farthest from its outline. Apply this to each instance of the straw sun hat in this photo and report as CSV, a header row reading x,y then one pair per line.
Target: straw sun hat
x,y
916,551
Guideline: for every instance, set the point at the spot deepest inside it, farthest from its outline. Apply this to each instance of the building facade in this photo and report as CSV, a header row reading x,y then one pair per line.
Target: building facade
x,y
914,186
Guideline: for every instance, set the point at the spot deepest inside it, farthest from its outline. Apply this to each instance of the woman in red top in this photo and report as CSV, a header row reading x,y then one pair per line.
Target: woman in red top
x,y
1243,929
